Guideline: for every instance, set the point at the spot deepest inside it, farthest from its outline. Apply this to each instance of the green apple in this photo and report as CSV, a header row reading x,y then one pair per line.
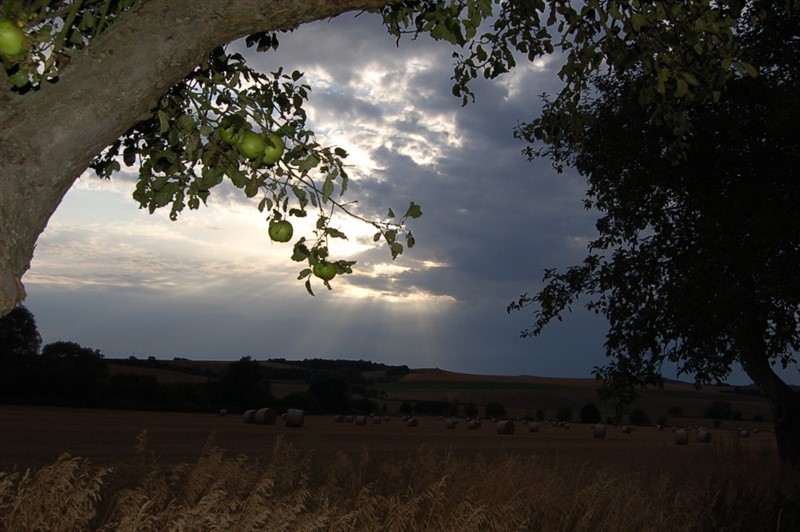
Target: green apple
x,y
274,149
280,230
12,39
325,270
251,145
228,134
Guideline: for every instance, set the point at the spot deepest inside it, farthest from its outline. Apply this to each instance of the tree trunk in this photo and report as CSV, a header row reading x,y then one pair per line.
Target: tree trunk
x,y
784,401
48,138
787,428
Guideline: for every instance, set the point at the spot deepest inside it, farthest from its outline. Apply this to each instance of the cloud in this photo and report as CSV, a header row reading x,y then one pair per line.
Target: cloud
x,y
212,285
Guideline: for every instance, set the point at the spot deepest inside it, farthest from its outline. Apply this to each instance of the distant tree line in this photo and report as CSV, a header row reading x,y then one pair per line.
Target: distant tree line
x,y
68,374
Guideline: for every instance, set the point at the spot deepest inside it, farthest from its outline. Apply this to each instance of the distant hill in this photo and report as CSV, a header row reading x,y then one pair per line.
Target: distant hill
x,y
522,395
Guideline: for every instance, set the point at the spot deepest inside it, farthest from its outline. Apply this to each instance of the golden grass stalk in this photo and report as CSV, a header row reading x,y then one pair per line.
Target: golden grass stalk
x,y
61,496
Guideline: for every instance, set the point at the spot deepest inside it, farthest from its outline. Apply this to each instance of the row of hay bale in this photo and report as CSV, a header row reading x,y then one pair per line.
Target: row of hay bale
x,y
361,420
294,417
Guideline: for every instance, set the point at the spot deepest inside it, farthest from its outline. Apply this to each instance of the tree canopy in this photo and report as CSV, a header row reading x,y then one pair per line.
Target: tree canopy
x,y
698,237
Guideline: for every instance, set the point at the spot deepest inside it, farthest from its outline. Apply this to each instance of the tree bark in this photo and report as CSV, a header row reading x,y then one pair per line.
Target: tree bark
x,y
784,401
49,137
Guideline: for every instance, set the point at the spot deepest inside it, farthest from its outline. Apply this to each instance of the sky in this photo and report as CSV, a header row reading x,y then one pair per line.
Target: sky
x,y
211,285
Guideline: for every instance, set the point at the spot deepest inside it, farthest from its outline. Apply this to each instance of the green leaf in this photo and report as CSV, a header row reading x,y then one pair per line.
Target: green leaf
x,y
300,252
163,122
335,233
683,88
308,163
638,20
308,286
397,249
414,211
236,176
327,188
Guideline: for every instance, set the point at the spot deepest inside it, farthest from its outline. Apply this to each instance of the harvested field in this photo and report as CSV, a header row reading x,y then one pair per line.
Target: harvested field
x,y
207,472
33,436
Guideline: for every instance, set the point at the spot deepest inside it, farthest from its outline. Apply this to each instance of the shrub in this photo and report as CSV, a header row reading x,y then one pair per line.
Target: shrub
x,y
638,417
718,410
589,413
675,411
495,410
470,409
564,413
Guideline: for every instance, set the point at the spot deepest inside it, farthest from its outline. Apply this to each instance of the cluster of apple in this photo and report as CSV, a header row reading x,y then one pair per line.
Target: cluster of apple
x,y
266,150
282,231
12,39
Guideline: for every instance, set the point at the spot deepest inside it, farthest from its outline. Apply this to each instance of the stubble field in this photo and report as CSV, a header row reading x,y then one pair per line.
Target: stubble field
x,y
162,471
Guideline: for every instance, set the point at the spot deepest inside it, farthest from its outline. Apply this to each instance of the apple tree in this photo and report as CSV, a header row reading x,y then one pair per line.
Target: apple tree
x,y
695,262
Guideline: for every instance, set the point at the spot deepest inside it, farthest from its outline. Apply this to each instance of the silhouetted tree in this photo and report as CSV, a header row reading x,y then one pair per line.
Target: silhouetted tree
x,y
695,262
20,342
73,373
589,413
332,394
243,386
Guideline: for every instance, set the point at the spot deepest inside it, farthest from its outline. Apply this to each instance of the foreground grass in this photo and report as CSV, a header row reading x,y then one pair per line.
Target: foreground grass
x,y
723,489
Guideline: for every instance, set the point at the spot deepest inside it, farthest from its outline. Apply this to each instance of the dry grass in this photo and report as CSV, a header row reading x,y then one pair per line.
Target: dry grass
x,y
727,488
62,496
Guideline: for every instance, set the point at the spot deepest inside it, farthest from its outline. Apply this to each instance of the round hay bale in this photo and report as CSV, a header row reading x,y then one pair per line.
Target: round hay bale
x,y
223,412
599,431
412,422
348,419
627,429
249,416
376,420
386,419
703,436
265,416
473,424
450,423
744,434
361,420
566,425
338,419
681,437
294,417
533,427
505,427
